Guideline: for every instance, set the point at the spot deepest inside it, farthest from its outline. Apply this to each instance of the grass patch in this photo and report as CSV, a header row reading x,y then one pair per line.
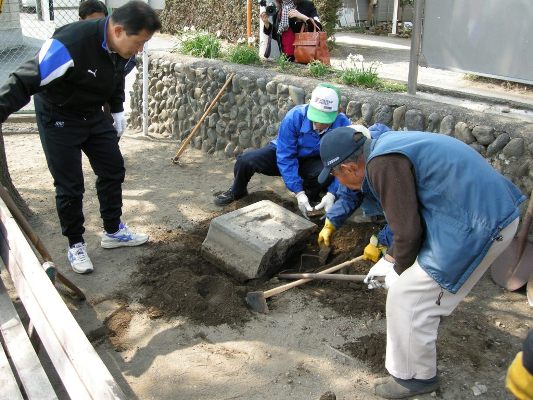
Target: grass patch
x,y
390,87
357,78
204,45
317,69
242,54
284,64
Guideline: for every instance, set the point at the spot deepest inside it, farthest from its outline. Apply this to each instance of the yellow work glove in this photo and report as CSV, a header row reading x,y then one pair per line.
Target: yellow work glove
x,y
324,237
373,251
519,381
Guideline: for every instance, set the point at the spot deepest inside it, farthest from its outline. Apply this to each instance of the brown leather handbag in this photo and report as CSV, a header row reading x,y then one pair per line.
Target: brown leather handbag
x,y
309,46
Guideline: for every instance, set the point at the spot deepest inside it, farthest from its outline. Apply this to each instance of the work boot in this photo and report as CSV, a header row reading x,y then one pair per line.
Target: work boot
x,y
79,259
122,238
227,197
395,388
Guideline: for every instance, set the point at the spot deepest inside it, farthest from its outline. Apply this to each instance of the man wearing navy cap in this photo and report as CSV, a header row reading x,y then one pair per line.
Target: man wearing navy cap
x,y
294,154
451,213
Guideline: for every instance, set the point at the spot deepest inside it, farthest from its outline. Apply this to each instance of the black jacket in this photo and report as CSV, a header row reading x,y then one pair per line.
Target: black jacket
x,y
307,8
73,71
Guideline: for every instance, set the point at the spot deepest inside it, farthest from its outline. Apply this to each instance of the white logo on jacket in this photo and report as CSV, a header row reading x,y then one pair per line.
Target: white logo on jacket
x,y
92,72
60,124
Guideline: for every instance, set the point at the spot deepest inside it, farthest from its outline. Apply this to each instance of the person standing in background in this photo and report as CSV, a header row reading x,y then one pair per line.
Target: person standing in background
x,y
287,21
92,9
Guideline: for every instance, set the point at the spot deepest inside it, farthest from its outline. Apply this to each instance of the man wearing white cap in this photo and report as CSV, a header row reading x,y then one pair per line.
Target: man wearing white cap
x,y
294,153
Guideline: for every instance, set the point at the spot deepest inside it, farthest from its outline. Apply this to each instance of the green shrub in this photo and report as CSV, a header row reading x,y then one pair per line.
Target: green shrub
x,y
317,69
284,64
201,44
242,54
355,72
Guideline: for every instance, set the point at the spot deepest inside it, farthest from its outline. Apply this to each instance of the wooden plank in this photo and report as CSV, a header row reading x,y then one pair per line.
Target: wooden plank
x,y
66,371
18,345
8,383
65,342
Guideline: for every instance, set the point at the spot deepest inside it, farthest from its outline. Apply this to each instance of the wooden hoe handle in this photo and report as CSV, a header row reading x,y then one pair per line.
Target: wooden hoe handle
x,y
283,288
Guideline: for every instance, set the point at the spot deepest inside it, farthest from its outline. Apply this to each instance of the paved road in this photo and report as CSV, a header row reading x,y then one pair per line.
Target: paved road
x,y
445,86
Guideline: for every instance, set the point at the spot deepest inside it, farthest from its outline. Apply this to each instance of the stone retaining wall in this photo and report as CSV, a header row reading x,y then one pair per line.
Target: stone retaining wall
x,y
248,113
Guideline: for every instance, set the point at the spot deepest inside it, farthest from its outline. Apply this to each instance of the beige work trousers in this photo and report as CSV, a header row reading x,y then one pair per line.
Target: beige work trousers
x,y
413,316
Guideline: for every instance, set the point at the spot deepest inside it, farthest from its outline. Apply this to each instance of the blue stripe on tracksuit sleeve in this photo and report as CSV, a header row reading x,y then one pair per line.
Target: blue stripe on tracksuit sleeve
x,y
54,61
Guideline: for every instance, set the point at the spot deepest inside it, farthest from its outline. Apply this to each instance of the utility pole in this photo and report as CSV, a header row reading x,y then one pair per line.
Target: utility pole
x,y
416,35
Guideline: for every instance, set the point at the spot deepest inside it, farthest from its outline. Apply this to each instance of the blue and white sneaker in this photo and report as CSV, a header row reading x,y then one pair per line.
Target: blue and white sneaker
x,y
79,259
122,238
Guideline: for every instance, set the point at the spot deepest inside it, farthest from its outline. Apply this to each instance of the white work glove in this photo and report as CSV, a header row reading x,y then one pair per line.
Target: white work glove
x,y
326,203
119,122
303,203
381,268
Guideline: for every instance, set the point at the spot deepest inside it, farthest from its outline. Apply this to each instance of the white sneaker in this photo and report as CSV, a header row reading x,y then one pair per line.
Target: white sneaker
x,y
122,238
79,259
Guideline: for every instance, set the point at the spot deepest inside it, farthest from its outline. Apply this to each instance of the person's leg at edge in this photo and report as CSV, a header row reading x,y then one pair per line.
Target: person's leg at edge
x,y
262,161
413,319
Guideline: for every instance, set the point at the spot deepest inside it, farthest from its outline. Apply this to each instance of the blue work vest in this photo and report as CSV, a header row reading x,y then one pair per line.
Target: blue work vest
x,y
464,203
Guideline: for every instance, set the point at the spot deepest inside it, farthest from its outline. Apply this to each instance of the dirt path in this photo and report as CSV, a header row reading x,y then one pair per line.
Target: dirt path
x,y
175,327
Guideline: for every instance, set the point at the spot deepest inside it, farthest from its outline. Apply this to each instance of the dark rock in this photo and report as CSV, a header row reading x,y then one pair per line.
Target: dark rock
x,y
515,148
499,143
464,133
415,120
353,110
484,134
433,122
367,111
384,115
447,124
398,118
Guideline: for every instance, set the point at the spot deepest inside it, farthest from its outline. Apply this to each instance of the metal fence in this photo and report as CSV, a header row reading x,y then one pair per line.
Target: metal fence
x,y
25,25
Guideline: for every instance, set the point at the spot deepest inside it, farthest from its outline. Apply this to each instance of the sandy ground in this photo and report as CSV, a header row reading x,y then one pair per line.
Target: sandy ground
x,y
317,338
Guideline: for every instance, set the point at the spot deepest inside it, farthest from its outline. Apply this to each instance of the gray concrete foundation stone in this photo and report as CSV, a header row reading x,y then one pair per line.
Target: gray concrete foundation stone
x,y
254,241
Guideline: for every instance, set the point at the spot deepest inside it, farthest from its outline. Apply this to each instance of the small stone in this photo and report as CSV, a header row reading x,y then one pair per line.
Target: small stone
x,y
479,389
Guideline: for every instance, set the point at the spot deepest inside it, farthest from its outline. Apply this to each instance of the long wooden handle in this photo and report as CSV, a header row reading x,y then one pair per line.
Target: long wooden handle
x,y
199,123
35,240
332,277
281,289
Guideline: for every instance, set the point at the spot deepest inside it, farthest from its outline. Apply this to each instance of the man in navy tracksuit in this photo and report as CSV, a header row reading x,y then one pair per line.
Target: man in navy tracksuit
x,y
451,213
294,154
76,71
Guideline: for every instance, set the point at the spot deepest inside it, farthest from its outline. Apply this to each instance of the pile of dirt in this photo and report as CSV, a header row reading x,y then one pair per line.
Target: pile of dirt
x,y
370,349
175,280
117,323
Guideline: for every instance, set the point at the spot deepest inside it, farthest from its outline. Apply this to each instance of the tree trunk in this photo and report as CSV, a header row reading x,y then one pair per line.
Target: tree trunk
x,y
5,179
